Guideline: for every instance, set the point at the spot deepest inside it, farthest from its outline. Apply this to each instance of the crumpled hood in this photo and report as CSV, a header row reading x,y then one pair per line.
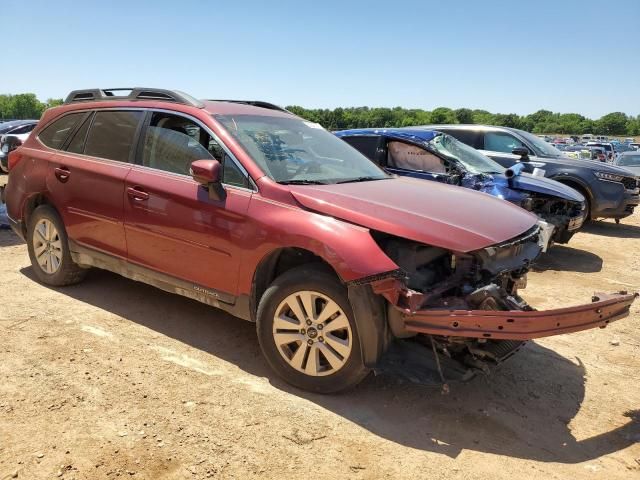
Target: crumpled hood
x,y
546,186
454,218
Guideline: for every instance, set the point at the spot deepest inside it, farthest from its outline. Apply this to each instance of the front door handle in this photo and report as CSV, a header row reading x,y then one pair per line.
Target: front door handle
x,y
137,194
62,173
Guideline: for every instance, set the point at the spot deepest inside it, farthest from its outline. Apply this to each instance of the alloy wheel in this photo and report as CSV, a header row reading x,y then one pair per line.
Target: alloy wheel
x,y
312,333
47,246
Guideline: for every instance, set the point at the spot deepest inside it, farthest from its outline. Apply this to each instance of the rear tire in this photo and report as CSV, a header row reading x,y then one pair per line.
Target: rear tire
x,y
48,247
307,332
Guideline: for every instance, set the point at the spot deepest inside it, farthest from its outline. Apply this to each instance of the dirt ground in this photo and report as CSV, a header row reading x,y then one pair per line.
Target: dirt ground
x,y
112,378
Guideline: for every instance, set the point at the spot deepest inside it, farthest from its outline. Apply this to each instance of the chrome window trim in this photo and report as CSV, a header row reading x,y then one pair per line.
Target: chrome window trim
x,y
253,189
182,176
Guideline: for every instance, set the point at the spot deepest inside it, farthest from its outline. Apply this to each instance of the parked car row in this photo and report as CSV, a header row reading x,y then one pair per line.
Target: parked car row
x,y
432,155
609,191
12,134
246,207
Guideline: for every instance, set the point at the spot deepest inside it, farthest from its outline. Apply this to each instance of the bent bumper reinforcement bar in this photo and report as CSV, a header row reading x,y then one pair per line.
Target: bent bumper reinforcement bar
x,y
521,325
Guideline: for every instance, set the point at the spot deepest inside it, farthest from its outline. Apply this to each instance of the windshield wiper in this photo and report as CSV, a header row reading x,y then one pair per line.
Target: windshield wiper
x,y
362,179
302,182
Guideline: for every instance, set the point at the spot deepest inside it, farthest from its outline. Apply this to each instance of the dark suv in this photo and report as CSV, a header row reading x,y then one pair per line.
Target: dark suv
x,y
610,191
246,207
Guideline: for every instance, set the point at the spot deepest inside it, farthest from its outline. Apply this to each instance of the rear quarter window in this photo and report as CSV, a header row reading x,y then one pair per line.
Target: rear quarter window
x,y
54,135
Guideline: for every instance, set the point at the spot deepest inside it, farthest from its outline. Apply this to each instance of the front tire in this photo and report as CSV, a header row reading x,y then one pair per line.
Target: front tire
x,y
307,332
49,249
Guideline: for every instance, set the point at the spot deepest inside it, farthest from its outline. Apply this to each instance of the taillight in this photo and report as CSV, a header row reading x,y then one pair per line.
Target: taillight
x,y
14,158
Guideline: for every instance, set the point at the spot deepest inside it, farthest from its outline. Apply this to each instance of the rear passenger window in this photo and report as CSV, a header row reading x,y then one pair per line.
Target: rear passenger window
x,y
77,142
112,135
56,134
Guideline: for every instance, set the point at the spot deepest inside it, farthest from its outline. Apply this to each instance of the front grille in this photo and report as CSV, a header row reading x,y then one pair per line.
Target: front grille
x,y
630,183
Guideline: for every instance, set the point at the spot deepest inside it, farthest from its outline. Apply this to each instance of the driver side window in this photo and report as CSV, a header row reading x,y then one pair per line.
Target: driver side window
x,y
173,142
501,142
411,157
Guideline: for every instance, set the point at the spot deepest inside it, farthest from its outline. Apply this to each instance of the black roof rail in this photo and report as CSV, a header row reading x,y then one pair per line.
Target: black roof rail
x,y
256,103
136,93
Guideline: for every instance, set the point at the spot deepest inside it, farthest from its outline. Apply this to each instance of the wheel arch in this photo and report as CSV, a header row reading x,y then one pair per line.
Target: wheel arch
x,y
279,261
31,203
576,184
369,309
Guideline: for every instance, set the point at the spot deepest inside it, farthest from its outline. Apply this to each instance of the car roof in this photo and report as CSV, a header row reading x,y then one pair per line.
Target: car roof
x,y
410,134
242,107
468,126
15,123
213,107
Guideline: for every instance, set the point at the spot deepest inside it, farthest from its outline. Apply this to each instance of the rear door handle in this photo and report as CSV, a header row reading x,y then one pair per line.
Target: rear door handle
x,y
62,173
136,193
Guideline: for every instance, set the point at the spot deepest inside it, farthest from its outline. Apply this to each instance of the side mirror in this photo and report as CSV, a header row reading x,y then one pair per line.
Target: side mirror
x,y
523,152
208,173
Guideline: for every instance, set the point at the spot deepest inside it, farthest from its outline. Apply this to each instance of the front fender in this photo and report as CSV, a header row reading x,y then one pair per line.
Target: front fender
x,y
349,249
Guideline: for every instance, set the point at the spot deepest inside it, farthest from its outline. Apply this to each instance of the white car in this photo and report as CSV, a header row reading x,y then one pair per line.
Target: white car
x,y
17,131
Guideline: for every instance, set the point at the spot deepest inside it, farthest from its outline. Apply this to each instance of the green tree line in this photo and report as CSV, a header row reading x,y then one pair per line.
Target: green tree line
x,y
24,106
27,105
542,121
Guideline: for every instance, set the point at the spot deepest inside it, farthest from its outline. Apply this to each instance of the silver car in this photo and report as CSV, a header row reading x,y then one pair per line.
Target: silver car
x,y
630,161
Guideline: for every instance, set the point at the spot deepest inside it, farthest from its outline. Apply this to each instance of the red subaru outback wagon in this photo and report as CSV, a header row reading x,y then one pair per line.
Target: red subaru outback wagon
x,y
248,208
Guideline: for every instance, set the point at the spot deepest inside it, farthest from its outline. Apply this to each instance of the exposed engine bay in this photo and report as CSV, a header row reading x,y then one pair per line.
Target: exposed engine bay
x,y
565,215
487,279
467,306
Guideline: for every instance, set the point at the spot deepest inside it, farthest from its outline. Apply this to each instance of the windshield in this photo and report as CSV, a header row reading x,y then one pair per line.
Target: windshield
x,y
629,161
473,161
291,150
542,148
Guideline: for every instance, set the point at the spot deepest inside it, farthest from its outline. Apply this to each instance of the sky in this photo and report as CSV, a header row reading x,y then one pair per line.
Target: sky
x,y
514,56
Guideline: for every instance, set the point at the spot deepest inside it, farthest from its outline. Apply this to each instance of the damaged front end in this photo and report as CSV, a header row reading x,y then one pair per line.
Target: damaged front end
x,y
565,215
467,305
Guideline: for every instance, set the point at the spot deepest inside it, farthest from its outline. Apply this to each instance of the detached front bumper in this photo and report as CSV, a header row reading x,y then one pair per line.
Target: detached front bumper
x,y
520,325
